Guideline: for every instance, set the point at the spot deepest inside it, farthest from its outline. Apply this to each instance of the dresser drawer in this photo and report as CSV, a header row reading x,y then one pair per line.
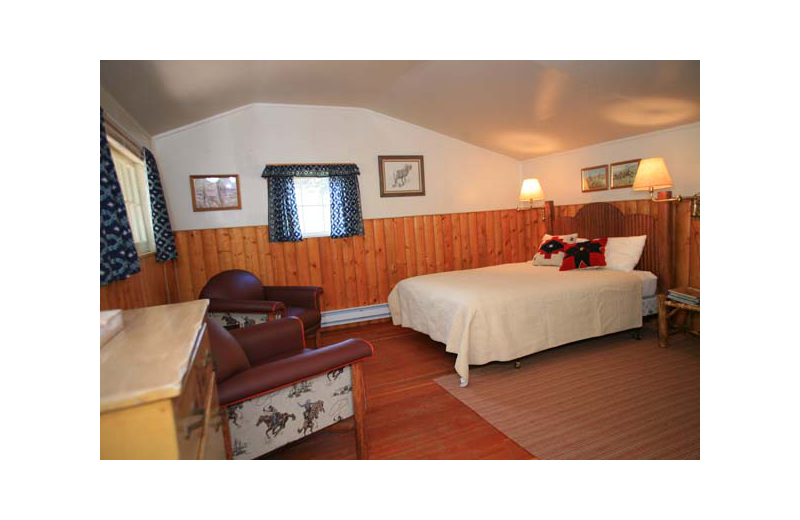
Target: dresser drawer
x,y
155,384
191,407
212,446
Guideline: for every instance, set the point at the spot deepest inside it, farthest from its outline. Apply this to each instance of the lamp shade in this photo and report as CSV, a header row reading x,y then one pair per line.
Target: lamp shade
x,y
652,173
531,190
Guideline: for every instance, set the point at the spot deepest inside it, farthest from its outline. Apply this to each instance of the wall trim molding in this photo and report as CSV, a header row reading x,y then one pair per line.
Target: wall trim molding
x,y
355,314
232,111
620,140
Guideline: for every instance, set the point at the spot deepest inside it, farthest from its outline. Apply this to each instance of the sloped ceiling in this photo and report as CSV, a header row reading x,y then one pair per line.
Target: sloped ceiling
x,y
522,109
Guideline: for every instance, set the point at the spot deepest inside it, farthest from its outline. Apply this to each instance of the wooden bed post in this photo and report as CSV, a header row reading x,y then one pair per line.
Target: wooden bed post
x,y
666,212
549,211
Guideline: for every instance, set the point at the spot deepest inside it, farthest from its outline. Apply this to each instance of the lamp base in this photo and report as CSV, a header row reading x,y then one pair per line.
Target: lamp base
x,y
673,199
531,207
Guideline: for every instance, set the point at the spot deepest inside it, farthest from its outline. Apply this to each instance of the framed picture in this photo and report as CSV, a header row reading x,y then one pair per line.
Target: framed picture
x,y
594,178
401,175
623,173
215,192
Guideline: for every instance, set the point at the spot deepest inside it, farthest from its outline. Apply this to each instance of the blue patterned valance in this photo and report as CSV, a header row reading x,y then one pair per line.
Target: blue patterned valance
x,y
309,170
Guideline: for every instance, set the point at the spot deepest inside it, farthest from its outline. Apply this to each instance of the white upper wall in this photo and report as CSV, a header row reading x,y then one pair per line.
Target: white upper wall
x,y
560,174
459,177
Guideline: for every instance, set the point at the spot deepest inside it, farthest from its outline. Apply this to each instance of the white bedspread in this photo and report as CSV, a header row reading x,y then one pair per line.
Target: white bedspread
x,y
507,311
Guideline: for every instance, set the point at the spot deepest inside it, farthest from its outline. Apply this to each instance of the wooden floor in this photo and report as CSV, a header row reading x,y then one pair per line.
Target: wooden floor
x,y
410,416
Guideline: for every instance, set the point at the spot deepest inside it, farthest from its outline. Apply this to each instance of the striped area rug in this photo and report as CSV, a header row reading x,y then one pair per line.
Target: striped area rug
x,y
604,398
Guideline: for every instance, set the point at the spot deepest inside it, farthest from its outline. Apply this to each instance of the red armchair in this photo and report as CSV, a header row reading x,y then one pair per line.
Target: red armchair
x,y
239,300
276,391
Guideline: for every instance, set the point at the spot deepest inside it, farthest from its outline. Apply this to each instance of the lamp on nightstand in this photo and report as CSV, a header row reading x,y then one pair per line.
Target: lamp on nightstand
x,y
531,191
653,175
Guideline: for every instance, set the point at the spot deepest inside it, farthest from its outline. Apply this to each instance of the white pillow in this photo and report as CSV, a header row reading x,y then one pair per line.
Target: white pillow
x,y
623,253
552,253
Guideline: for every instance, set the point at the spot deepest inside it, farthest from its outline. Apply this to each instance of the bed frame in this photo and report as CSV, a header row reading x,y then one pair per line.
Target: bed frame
x,y
601,219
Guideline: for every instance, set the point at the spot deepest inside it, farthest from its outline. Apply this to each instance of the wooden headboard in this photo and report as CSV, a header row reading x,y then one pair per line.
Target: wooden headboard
x,y
601,219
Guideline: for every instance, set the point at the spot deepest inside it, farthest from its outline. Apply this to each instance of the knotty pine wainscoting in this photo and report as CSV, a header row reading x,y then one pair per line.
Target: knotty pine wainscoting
x,y
155,284
360,271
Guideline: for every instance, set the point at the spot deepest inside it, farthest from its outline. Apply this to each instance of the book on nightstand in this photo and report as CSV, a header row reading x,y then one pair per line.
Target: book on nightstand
x,y
684,294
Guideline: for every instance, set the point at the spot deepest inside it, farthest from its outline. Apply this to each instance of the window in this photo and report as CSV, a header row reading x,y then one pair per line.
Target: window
x,y
313,196
133,181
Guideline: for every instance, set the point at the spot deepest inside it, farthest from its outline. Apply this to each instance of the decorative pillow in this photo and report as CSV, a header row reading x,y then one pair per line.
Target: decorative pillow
x,y
551,250
623,253
585,255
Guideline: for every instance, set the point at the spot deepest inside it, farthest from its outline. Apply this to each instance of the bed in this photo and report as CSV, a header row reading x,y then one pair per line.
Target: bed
x,y
505,312
508,311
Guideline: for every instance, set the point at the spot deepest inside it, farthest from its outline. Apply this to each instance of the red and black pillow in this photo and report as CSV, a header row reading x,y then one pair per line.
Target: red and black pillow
x,y
585,255
551,249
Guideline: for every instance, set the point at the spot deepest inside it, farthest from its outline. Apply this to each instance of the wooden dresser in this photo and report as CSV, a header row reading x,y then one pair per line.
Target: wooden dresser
x,y
158,399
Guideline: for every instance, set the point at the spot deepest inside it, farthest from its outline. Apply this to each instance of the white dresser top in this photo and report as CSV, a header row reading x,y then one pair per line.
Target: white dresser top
x,y
148,359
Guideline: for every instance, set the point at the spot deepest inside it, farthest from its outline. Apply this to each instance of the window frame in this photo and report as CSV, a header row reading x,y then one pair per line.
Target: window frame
x,y
120,152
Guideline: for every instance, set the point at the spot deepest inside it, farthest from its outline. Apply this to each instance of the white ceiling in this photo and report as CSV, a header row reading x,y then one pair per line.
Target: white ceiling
x,y
522,109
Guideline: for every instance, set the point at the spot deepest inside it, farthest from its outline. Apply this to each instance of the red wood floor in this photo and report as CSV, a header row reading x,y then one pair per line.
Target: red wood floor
x,y
409,416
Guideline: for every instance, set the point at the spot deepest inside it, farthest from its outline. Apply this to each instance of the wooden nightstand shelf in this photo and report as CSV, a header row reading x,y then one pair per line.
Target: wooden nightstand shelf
x,y
666,309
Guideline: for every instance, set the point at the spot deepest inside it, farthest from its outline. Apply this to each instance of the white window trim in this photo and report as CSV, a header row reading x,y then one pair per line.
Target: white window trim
x,y
147,246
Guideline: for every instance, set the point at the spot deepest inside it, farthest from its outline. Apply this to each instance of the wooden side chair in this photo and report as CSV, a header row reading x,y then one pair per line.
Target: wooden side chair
x,y
276,391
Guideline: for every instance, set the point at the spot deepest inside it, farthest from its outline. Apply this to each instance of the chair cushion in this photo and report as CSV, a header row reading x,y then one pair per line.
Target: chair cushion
x,y
310,317
229,357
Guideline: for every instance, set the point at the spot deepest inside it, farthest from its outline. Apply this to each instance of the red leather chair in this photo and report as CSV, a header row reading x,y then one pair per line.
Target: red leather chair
x,y
239,300
276,391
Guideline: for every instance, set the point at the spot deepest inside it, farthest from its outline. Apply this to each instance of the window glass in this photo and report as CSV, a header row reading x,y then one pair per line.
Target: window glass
x,y
313,205
133,181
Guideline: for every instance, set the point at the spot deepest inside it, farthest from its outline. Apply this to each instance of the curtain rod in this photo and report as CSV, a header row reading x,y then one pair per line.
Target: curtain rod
x,y
119,128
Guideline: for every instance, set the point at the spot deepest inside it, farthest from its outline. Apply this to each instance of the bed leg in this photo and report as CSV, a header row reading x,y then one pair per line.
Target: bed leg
x,y
637,334
517,364
463,382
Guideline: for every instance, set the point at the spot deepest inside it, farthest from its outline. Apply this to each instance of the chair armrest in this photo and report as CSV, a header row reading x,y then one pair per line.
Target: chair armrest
x,y
248,306
273,339
294,296
286,371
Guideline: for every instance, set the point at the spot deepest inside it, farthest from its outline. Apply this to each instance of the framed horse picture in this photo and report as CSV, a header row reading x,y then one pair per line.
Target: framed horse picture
x,y
401,175
215,192
594,178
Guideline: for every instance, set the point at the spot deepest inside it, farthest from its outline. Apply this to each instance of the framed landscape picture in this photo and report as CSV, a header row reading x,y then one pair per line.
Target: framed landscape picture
x,y
594,178
623,173
215,192
401,175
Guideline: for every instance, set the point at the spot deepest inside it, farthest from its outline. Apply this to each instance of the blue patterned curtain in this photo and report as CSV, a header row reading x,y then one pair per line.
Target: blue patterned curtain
x,y
118,257
284,224
162,229
283,220
346,218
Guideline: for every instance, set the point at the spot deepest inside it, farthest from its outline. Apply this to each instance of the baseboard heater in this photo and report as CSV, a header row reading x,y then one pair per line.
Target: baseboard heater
x,y
355,314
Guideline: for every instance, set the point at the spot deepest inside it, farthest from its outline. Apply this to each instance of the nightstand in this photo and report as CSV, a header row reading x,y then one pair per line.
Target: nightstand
x,y
666,309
